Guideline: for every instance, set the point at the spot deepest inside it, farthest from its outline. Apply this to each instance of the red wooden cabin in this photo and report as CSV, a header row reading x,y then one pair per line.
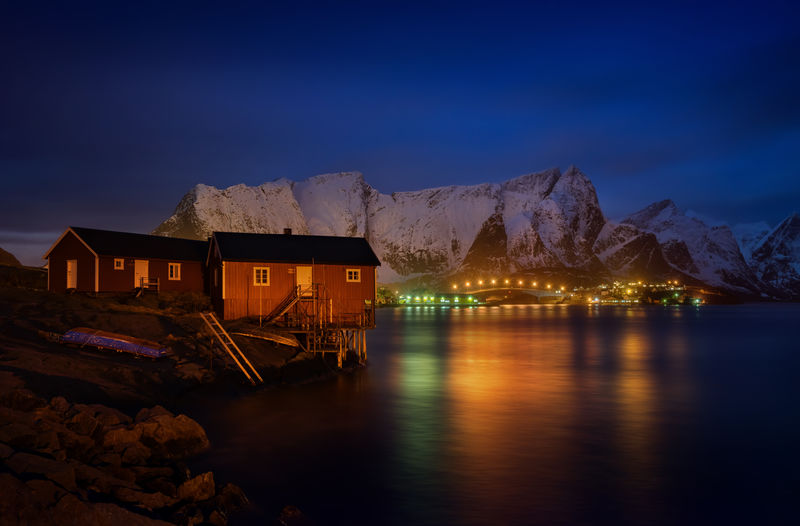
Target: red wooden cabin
x,y
293,280
90,260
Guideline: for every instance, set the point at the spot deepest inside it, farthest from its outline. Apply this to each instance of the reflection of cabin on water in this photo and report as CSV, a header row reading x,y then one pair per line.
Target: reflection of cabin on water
x,y
91,260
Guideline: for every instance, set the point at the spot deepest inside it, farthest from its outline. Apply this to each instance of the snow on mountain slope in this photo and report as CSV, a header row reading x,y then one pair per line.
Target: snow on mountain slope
x,y
777,257
547,219
749,236
710,254
267,208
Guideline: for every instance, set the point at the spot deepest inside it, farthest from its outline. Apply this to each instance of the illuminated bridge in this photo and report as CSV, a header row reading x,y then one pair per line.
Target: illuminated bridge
x,y
490,293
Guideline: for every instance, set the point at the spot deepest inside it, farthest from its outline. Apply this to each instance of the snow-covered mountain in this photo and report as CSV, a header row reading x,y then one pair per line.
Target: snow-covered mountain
x,y
749,236
545,220
709,254
776,258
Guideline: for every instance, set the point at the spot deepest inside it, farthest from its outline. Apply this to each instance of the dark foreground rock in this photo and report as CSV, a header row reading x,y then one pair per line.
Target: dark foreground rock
x,y
63,463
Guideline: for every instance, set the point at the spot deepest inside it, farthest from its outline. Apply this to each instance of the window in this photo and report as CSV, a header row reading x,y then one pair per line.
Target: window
x,y
261,276
119,264
175,271
353,274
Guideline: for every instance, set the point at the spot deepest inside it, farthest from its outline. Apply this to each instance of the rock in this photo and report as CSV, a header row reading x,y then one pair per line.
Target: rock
x,y
98,480
107,514
162,485
217,519
118,439
110,417
17,434
188,516
44,493
59,472
173,437
145,473
21,400
83,423
5,451
77,446
149,501
231,498
136,454
147,414
197,489
107,459
60,405
292,516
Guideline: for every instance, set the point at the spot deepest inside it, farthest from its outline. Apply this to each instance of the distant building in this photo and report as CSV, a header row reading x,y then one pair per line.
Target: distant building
x,y
294,280
90,260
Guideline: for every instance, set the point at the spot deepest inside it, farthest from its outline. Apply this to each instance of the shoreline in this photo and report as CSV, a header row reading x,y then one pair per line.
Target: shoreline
x,y
58,384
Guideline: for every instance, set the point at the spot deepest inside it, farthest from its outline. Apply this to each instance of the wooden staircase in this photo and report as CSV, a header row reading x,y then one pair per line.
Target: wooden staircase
x,y
283,307
230,346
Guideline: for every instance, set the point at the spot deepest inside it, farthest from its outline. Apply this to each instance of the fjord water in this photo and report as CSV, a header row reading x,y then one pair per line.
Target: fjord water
x,y
536,414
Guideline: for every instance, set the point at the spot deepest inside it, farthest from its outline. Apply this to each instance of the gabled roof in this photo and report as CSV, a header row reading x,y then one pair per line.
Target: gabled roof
x,y
289,248
126,244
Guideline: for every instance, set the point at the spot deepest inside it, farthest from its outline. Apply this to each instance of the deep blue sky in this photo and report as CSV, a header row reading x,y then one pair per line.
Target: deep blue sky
x,y
110,113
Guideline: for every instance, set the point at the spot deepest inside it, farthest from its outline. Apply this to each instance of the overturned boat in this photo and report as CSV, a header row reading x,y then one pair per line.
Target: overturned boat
x,y
85,336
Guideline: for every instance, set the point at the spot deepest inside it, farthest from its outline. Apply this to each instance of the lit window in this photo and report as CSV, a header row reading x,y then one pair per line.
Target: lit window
x,y
353,274
119,264
261,276
175,271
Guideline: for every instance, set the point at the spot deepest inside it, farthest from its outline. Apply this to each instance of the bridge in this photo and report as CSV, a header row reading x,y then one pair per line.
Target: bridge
x,y
498,294
473,296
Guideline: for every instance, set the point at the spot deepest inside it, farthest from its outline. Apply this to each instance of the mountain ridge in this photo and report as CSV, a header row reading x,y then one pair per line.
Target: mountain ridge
x,y
541,220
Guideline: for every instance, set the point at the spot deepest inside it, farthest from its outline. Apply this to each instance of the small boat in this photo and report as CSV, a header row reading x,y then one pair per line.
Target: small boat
x,y
84,336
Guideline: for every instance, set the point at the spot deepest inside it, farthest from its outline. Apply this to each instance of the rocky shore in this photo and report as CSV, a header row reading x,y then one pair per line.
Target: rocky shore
x,y
65,463
92,436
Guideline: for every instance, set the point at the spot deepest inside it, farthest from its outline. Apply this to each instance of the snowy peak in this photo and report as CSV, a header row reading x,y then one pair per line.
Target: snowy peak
x,y
548,219
709,254
776,259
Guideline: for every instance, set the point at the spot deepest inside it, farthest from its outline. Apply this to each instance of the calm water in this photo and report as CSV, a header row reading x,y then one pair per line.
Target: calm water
x,y
534,415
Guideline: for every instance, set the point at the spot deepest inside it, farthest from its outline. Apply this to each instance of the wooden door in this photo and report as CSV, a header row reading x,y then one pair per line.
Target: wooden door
x,y
305,280
72,273
140,272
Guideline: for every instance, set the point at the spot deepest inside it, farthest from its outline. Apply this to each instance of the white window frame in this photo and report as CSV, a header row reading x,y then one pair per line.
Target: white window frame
x,y
119,264
174,272
259,277
353,275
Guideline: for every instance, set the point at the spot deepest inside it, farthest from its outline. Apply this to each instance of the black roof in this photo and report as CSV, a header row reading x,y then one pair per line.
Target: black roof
x,y
126,244
296,249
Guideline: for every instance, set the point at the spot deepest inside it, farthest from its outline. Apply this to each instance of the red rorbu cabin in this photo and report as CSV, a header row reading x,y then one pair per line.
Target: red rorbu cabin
x,y
296,281
90,260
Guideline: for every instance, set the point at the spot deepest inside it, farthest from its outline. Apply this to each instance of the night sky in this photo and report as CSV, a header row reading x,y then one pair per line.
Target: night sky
x,y
110,113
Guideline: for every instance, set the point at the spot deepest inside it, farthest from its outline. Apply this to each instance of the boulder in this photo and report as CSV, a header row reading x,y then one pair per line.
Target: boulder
x,y
119,438
83,423
149,501
198,488
21,400
98,480
147,414
217,518
59,472
44,493
230,498
136,454
173,437
60,405
5,451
